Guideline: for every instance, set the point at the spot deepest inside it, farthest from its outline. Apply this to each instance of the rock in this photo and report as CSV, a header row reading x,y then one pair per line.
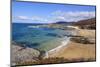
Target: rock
x,y
20,55
82,40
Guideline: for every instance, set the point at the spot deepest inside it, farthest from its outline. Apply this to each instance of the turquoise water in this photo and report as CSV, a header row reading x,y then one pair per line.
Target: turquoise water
x,y
39,38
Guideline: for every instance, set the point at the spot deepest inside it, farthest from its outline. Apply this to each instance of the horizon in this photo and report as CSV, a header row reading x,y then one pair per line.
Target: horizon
x,y
36,12
54,22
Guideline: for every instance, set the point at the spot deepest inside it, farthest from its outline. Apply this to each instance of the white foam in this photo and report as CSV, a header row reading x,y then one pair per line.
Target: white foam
x,y
33,26
63,43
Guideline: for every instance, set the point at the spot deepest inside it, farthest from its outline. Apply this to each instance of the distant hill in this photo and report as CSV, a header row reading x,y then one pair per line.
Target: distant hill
x,y
88,23
81,22
64,22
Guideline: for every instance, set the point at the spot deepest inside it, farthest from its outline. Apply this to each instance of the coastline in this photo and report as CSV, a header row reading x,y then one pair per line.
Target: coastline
x,y
75,50
64,43
68,49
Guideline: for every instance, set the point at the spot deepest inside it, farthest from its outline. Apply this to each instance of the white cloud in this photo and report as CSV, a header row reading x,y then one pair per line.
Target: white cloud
x,y
68,16
61,17
22,17
34,18
73,15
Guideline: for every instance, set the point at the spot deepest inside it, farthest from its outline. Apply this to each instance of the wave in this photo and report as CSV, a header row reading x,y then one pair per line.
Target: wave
x,y
33,26
63,43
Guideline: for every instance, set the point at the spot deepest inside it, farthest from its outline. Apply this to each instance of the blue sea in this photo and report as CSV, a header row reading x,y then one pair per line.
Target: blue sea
x,y
40,38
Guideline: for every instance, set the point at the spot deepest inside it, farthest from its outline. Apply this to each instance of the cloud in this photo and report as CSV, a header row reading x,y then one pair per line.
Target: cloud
x,y
36,18
72,15
58,15
22,17
33,18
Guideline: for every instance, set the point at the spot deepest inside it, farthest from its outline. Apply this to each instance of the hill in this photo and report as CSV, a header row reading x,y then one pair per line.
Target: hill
x,y
88,23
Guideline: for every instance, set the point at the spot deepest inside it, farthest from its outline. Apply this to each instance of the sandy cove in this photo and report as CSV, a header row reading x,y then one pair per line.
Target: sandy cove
x,y
78,50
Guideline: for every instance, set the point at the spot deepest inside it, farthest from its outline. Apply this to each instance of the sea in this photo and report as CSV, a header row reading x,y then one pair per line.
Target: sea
x,y
41,38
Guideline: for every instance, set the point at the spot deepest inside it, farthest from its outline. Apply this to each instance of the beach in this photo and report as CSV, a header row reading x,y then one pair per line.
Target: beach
x,y
57,49
74,50
68,45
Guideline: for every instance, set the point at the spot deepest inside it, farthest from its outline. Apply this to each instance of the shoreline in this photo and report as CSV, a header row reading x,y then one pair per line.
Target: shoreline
x,y
69,49
63,43
78,50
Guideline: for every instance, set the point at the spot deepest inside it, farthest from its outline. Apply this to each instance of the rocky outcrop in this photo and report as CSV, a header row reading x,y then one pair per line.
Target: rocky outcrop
x,y
20,54
83,40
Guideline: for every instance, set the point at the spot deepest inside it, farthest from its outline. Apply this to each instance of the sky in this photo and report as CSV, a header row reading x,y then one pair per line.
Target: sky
x,y
32,12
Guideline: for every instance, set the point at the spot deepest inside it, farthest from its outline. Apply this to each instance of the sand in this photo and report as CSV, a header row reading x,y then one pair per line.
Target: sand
x,y
78,50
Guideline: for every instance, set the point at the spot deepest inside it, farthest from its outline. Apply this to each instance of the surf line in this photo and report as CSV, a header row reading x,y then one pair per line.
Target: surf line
x,y
65,42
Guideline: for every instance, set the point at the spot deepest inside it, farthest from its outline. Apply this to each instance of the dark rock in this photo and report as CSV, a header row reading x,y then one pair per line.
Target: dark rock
x,y
82,40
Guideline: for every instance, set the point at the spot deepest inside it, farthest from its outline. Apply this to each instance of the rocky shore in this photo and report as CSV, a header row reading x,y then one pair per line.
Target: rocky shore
x,y
20,54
